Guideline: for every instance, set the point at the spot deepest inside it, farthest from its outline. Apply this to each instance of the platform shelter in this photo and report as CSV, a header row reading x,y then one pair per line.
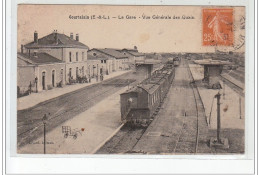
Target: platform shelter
x,y
212,69
145,67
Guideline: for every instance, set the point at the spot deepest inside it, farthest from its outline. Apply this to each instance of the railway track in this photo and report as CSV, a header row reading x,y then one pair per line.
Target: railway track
x,y
187,129
193,133
236,75
237,88
187,139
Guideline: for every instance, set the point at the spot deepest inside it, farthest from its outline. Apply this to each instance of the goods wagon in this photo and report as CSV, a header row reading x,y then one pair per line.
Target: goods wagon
x,y
139,103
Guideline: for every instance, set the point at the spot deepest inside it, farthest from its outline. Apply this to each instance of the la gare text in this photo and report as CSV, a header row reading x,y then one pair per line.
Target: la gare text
x,y
130,17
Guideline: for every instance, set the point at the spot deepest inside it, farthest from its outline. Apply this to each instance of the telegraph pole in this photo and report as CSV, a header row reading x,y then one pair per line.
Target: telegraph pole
x,y
218,117
44,120
240,113
219,143
224,89
44,137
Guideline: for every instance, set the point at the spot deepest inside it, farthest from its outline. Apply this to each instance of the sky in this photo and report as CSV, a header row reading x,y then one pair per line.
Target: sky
x,y
149,35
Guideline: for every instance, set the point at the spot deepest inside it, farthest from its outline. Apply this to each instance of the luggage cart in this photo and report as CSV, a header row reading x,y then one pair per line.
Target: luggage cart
x,y
66,130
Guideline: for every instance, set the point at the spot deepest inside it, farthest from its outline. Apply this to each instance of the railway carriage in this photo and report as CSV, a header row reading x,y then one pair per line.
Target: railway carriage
x,y
139,103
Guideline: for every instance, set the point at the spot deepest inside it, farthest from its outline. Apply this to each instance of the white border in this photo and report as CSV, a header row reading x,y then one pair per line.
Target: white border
x,y
123,163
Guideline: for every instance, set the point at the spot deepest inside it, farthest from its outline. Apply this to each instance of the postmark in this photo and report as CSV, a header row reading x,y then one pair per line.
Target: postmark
x,y
218,27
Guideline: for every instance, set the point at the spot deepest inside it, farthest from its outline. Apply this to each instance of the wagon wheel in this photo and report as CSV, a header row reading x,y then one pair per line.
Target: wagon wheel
x,y
66,135
75,136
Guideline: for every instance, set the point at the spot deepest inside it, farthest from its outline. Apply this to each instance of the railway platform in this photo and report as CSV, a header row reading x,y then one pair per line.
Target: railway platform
x,y
36,98
232,110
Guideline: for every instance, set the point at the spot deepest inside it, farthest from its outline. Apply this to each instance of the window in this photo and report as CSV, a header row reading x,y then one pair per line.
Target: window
x,y
94,54
101,61
105,61
77,54
82,56
70,56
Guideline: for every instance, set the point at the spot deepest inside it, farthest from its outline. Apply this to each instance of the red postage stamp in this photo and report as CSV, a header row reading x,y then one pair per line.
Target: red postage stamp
x,y
217,27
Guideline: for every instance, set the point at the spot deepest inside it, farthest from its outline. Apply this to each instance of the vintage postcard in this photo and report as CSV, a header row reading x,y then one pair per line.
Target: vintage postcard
x,y
103,79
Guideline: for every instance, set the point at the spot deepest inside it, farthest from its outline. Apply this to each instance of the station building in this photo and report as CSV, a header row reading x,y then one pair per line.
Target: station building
x,y
133,54
111,59
39,72
100,63
62,47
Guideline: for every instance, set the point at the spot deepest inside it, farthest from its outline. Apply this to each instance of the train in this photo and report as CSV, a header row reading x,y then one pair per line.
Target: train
x,y
175,61
138,104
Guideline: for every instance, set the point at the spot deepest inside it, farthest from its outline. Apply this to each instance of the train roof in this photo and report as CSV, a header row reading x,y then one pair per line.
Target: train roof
x,y
133,89
149,88
151,85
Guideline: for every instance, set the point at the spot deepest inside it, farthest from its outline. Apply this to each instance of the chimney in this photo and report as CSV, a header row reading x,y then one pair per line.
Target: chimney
x,y
21,48
77,37
71,35
55,36
35,37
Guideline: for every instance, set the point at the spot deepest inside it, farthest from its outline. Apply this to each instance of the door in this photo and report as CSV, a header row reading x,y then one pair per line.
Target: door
x,y
43,80
77,72
53,78
83,71
61,75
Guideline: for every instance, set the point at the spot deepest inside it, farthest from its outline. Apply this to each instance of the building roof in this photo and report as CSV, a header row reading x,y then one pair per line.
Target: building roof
x,y
41,58
211,62
147,61
135,53
97,57
130,49
112,52
50,41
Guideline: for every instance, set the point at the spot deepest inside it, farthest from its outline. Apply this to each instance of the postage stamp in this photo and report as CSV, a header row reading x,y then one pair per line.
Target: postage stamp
x,y
218,27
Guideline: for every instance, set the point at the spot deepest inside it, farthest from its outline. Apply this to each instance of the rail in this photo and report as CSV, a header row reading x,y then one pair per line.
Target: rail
x,y
194,87
239,87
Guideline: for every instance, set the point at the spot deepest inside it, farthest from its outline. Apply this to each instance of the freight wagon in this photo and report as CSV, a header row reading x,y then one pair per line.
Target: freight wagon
x,y
139,103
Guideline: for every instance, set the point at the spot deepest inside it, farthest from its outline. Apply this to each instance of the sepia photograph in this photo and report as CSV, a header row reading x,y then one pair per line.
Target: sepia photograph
x,y
138,80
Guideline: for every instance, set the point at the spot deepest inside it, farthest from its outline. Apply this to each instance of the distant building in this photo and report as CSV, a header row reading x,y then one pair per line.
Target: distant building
x,y
133,54
64,48
116,60
99,64
48,70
